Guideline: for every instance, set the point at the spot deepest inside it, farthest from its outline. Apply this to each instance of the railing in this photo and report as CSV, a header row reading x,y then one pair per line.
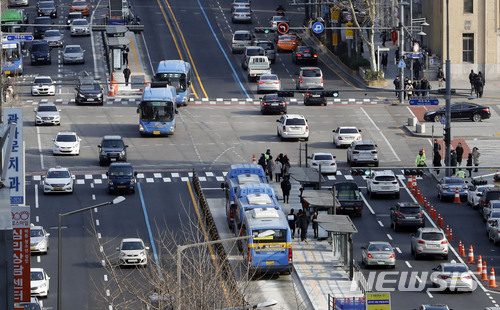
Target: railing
x,y
360,280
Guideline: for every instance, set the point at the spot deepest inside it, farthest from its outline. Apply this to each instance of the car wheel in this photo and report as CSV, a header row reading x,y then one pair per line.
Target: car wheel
x,y
476,118
306,139
437,118
393,266
445,256
397,195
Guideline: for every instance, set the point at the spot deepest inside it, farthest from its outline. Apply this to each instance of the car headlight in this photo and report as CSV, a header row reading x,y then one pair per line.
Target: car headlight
x,y
38,117
122,153
99,95
43,285
81,95
123,253
57,117
56,144
142,253
68,184
132,181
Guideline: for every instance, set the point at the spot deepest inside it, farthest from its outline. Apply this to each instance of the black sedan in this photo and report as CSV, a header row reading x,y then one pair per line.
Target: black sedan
x,y
304,54
315,97
461,110
272,103
89,92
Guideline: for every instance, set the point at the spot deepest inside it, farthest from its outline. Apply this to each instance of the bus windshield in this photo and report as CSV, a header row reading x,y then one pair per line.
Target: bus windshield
x,y
178,80
157,111
10,52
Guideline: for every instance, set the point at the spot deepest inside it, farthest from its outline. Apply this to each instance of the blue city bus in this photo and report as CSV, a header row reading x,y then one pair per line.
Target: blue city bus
x,y
12,57
272,253
176,73
157,110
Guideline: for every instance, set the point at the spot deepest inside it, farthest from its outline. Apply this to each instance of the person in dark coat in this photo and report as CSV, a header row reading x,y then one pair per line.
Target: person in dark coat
x,y
453,161
469,164
475,157
286,168
126,74
262,161
286,186
291,221
471,80
460,153
436,161
384,60
303,224
315,224
270,167
416,69
397,85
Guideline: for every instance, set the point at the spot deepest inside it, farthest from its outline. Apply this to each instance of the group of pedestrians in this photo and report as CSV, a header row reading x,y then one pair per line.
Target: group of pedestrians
x,y
300,222
477,83
415,88
456,158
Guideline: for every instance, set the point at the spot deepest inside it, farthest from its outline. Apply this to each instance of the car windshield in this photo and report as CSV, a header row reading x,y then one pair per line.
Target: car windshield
x,y
454,181
255,51
323,157
58,174
80,22
495,204
46,5
93,86
410,210
43,81
242,36
432,236
35,232
40,47
379,247
454,268
365,147
43,21
79,3
36,276
52,33
311,73
121,171
493,195
295,121
387,178
287,38
132,246
348,130
113,143
47,108
279,19
66,138
73,49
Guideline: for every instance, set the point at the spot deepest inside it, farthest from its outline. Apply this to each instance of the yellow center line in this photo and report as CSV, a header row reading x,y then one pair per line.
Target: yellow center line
x,y
137,69
338,74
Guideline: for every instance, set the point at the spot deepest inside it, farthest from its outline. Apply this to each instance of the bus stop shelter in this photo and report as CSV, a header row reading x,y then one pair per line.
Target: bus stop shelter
x,y
307,177
340,229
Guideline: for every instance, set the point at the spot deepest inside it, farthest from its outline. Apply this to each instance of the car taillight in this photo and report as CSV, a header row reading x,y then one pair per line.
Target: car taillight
x,y
369,255
340,138
300,80
374,152
290,256
284,103
491,221
355,152
321,79
231,213
465,187
486,110
308,95
421,241
276,82
468,276
332,164
299,55
261,82
393,255
421,215
446,187
307,128
315,55
444,277
284,128
444,242
314,164
395,182
358,138
399,214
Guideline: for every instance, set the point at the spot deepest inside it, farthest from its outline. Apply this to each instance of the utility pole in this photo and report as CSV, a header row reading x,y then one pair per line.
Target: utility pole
x,y
447,128
401,49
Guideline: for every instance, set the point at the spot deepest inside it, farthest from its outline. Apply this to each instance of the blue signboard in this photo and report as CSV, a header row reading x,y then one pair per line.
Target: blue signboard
x,y
415,55
318,27
401,64
424,102
20,37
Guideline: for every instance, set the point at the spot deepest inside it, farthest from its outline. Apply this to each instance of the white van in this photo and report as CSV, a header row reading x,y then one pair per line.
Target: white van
x,y
241,39
310,77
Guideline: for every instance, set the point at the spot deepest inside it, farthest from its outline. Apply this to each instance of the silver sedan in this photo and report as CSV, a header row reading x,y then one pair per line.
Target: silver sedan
x,y
73,54
378,253
268,83
242,15
54,38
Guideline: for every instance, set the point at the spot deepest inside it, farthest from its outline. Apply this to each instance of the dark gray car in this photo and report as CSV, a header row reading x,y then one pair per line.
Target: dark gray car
x,y
112,148
408,214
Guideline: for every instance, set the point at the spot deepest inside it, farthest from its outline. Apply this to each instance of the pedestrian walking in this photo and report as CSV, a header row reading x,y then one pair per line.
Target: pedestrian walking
x,y
125,55
299,214
475,157
396,55
303,223
478,85
286,187
315,224
420,160
409,89
436,147
126,74
471,80
384,60
278,167
383,36
417,66
270,167
440,77
361,49
453,160
394,36
268,154
469,164
460,153
262,161
397,85
286,168
436,162
425,86
291,221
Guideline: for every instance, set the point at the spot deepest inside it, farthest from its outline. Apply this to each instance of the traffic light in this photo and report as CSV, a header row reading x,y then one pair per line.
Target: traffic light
x,y
263,30
331,93
479,182
360,172
335,94
447,138
416,171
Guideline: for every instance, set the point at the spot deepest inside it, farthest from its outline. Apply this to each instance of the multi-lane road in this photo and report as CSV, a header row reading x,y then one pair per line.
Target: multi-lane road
x,y
208,138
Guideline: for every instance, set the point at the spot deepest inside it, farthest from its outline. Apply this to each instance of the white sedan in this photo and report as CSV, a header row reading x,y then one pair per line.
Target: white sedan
x,y
79,27
39,239
39,282
344,136
58,180
43,85
325,160
474,194
268,83
66,143
453,276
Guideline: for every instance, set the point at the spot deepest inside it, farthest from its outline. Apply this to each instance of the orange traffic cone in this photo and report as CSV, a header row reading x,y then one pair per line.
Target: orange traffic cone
x,y
111,91
479,269
447,229
254,160
484,272
440,221
409,184
493,281
433,213
461,249
470,260
457,197
420,197
450,237
423,151
414,183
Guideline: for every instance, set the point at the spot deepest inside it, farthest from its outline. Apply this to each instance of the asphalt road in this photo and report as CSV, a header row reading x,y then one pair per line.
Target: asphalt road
x,y
208,139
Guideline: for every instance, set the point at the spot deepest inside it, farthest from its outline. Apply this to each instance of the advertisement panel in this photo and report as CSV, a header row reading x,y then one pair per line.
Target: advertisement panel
x,y
21,249
15,169
378,301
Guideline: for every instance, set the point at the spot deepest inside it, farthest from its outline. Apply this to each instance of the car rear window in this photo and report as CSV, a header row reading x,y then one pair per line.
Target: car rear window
x,y
455,268
410,210
495,214
387,178
493,195
242,36
348,130
296,121
455,181
432,236
242,10
266,46
323,157
255,51
365,147
311,73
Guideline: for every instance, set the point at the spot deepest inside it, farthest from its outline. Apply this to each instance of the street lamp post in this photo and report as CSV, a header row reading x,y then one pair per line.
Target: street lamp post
x,y
447,128
59,243
401,49
181,248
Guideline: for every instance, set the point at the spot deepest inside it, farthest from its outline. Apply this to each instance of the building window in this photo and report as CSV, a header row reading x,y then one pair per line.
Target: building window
x,y
468,48
468,6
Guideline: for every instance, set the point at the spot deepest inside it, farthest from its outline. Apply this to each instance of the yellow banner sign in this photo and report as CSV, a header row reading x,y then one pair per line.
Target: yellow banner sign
x,y
335,39
378,301
335,13
349,32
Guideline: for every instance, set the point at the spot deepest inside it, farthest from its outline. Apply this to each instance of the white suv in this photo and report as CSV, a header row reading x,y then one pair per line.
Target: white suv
x,y
382,182
241,39
429,241
133,252
362,152
292,126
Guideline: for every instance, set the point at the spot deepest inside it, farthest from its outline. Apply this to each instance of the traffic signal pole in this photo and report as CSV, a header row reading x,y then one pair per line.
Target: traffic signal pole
x,y
447,128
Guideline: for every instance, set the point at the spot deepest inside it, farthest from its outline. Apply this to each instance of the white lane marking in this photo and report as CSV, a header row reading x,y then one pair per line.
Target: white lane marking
x,y
40,147
408,264
349,177
389,236
37,219
108,293
429,294
383,136
91,185
98,235
93,196
38,259
398,250
418,279
381,224
367,204
105,277
36,197
97,222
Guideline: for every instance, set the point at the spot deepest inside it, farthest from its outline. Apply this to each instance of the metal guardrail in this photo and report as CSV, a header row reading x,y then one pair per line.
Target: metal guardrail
x,y
359,278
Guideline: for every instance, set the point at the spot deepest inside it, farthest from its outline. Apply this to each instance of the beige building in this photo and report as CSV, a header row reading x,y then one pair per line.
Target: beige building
x,y
474,35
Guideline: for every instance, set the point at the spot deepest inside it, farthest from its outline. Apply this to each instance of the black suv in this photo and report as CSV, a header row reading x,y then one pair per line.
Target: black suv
x,y
89,91
408,214
43,23
47,8
315,97
112,148
304,54
40,52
